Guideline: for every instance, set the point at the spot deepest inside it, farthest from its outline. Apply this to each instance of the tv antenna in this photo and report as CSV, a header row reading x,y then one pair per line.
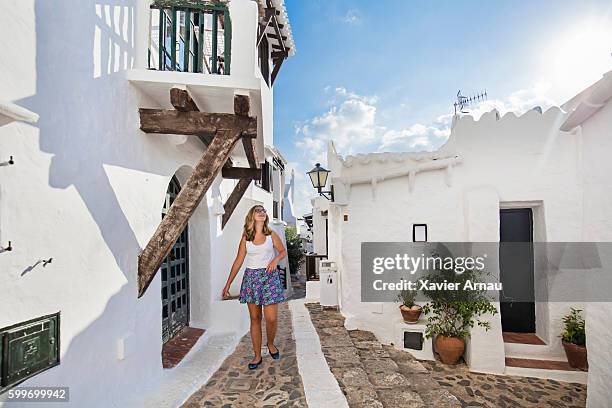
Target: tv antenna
x,y
465,101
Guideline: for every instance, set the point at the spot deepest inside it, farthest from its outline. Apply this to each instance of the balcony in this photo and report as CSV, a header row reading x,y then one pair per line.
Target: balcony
x,y
190,36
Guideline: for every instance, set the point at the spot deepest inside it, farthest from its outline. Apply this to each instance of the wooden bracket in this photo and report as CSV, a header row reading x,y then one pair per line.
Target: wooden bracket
x,y
241,173
194,123
276,69
227,130
242,107
182,101
234,199
184,206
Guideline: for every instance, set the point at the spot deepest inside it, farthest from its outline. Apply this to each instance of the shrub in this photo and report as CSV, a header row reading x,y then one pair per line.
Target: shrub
x,y
574,331
294,248
454,312
407,297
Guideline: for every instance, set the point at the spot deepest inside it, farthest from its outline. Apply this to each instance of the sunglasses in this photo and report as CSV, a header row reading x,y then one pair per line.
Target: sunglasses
x,y
260,210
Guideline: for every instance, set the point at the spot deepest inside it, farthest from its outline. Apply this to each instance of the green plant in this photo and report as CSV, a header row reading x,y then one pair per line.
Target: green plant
x,y
294,248
407,297
454,311
574,330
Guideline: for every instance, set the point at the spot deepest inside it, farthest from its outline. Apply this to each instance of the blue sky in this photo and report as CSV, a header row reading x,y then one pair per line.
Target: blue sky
x,y
383,75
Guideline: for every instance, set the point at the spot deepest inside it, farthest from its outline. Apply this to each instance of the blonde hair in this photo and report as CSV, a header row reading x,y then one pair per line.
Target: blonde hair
x,y
249,224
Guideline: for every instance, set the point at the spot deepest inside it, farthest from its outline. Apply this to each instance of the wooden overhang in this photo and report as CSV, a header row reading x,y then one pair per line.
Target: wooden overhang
x,y
270,28
220,132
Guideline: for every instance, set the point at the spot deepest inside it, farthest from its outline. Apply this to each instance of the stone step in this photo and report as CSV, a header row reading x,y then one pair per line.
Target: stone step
x,y
534,351
522,338
539,364
547,369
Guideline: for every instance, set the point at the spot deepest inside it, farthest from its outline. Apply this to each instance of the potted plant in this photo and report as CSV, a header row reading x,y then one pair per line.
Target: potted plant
x,y
410,311
573,339
453,312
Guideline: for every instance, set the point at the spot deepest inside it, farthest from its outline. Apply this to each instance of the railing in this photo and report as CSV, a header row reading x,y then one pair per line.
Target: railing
x,y
312,266
190,36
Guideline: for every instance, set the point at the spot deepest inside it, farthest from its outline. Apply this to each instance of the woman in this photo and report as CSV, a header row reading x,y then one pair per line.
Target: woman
x,y
261,286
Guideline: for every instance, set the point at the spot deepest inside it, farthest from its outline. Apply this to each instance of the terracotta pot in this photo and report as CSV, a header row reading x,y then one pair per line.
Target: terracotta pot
x,y
411,315
576,355
450,349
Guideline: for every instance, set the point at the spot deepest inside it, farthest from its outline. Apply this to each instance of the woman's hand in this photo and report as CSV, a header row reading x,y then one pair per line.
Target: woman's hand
x,y
225,294
272,265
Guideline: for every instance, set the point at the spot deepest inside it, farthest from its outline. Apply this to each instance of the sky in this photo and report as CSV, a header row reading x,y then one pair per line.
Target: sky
x,y
383,75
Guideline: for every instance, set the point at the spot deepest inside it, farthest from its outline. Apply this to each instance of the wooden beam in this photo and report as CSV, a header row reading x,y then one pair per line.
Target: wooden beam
x,y
250,152
276,69
284,37
263,28
194,123
279,35
241,172
194,4
278,54
182,101
184,205
234,199
242,105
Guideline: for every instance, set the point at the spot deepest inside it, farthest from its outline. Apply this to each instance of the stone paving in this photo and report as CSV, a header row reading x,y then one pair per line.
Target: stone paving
x,y
488,390
375,375
276,383
299,283
367,373
370,375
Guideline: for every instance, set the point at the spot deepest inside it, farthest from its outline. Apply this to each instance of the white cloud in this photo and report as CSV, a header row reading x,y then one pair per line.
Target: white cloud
x,y
352,16
418,136
518,102
341,91
352,123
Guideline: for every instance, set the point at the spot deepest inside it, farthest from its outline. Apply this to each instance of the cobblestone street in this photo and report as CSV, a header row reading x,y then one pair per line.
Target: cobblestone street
x,y
375,375
370,374
276,383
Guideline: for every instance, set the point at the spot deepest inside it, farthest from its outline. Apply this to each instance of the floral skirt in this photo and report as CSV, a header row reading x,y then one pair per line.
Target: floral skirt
x,y
261,287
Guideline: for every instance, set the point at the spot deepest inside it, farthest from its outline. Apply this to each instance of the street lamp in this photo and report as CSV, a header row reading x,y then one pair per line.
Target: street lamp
x,y
318,177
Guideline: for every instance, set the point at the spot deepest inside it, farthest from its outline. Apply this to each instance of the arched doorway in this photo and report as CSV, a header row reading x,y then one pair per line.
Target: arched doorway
x,y
175,276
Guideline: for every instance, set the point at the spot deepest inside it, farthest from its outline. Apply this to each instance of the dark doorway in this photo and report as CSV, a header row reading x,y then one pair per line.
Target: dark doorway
x,y
517,270
175,277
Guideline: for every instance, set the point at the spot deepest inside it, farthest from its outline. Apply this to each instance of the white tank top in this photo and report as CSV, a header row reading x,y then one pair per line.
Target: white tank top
x,y
259,256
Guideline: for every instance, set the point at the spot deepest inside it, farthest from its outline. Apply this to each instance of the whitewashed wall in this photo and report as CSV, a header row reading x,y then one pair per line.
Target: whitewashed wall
x,y
87,190
507,162
597,201
319,243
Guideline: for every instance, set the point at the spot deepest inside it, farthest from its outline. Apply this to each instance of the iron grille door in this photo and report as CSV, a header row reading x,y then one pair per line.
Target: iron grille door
x,y
175,277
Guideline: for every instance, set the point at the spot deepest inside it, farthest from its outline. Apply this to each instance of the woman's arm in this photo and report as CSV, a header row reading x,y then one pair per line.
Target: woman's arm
x,y
280,248
235,267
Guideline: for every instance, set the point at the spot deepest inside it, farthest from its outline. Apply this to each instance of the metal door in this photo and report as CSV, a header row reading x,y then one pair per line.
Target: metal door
x,y
175,277
516,262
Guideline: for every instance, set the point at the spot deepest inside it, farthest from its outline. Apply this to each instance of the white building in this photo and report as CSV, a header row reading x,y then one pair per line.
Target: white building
x,y
86,189
288,200
554,165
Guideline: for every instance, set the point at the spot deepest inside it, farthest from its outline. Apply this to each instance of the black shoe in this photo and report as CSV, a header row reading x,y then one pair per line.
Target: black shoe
x,y
276,355
253,366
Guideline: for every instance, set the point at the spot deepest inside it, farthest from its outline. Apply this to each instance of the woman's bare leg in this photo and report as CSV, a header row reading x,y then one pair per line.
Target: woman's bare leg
x,y
271,315
255,313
